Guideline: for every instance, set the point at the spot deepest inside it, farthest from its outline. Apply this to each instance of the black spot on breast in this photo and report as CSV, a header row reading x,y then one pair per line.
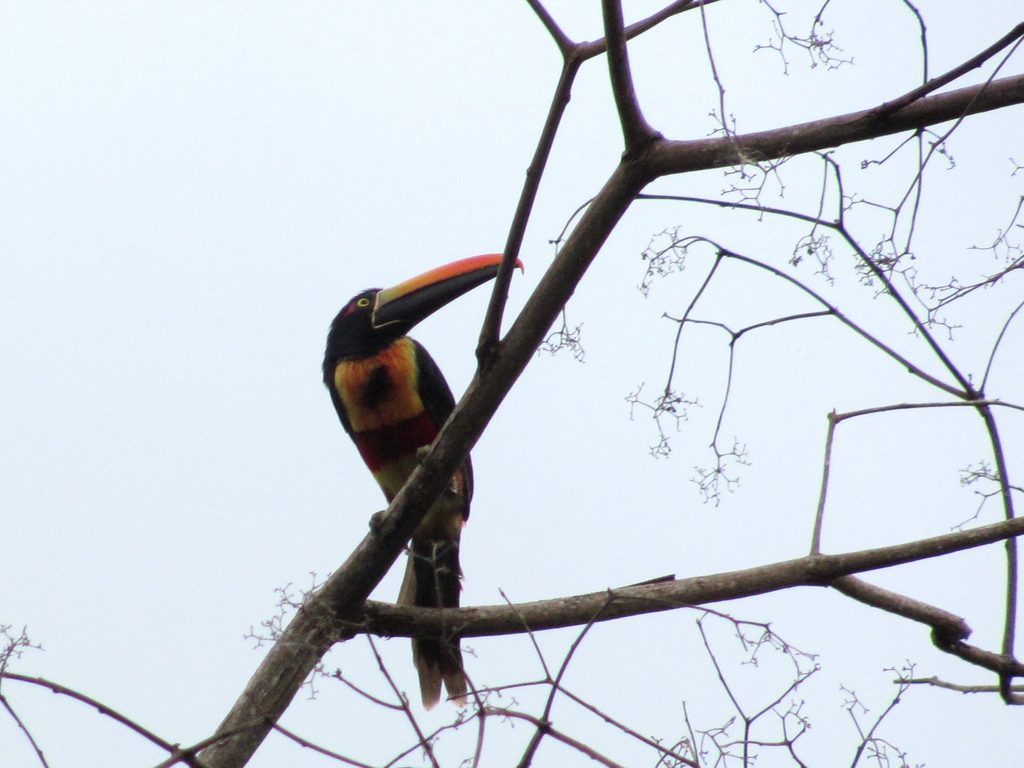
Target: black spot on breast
x,y
378,387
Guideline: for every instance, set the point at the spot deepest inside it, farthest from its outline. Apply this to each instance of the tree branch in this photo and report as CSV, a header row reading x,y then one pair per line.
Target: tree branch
x,y
943,623
636,132
491,328
573,56
313,630
937,82
177,755
812,570
671,156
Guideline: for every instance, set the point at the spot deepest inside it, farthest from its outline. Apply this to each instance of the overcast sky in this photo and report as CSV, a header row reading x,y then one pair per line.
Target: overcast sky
x,y
188,193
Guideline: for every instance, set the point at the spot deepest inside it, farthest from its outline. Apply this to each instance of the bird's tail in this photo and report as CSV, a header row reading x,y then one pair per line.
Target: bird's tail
x,y
432,581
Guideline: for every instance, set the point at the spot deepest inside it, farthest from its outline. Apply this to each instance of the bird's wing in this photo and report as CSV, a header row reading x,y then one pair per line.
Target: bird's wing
x,y
439,402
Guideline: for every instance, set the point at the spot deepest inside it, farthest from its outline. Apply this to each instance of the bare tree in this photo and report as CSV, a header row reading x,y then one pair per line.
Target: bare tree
x,y
838,233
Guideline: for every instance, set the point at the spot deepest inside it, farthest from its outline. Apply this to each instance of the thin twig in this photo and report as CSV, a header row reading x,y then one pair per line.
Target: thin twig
x,y
959,687
423,742
655,745
935,83
312,745
550,730
100,707
24,729
826,468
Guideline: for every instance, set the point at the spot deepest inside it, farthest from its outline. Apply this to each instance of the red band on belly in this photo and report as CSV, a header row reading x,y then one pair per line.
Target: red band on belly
x,y
382,446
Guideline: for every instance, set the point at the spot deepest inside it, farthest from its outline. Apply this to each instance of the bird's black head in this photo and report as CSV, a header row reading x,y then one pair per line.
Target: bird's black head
x,y
373,319
353,333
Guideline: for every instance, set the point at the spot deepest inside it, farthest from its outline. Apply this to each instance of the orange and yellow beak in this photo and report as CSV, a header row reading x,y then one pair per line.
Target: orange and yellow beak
x,y
418,297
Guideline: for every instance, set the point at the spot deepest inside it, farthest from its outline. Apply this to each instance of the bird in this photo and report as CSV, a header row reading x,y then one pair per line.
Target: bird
x,y
392,400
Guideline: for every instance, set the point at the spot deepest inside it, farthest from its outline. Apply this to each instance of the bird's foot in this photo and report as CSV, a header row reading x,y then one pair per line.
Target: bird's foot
x,y
422,452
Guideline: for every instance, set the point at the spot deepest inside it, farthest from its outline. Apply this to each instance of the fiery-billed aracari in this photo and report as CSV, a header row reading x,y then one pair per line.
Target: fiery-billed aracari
x,y
392,400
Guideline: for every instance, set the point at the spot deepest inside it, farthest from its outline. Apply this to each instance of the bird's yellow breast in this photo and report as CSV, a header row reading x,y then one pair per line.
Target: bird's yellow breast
x,y
380,391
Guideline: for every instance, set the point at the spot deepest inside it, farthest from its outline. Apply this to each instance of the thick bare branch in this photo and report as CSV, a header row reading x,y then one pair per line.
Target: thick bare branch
x,y
636,132
669,157
813,570
943,623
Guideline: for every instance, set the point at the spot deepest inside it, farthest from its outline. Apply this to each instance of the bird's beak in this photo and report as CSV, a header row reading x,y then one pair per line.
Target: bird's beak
x,y
418,297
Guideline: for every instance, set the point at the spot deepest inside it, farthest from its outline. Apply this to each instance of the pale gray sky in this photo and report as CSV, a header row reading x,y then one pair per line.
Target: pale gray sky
x,y
190,190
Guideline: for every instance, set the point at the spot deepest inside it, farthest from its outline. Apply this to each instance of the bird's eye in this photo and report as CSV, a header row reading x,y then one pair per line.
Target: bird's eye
x,y
363,302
